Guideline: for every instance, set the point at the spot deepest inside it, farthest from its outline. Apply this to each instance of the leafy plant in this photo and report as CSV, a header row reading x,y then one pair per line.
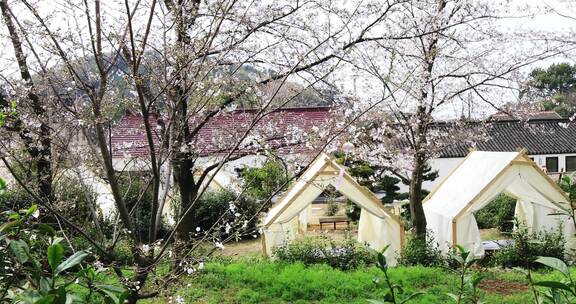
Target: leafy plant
x,y
468,287
555,291
264,181
331,208
498,214
395,293
36,273
422,251
223,209
568,184
346,254
527,247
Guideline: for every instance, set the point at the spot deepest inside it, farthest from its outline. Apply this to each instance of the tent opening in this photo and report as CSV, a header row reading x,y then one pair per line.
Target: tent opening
x,y
482,176
292,213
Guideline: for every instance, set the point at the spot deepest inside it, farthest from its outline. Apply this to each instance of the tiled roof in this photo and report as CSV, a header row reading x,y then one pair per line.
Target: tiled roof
x,y
282,130
500,116
538,136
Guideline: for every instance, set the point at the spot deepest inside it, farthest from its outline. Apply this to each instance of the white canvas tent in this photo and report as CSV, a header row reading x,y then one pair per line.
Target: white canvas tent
x,y
476,181
377,226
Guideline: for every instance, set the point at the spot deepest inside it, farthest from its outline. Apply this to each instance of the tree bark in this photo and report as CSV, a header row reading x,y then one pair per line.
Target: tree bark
x,y
416,209
41,155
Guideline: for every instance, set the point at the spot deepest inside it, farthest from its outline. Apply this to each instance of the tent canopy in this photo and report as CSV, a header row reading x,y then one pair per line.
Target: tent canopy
x,y
378,227
476,181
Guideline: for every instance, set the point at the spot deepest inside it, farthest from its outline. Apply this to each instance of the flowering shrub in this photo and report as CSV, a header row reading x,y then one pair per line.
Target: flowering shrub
x,y
346,254
35,270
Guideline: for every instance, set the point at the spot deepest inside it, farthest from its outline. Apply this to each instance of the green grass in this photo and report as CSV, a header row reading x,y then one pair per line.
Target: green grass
x,y
269,282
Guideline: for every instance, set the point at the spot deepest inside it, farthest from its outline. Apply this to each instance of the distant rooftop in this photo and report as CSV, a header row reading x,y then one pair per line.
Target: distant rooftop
x,y
280,130
538,136
501,116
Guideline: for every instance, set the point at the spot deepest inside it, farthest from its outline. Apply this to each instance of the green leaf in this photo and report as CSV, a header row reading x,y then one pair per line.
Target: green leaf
x,y
2,185
20,250
31,210
14,216
382,259
45,285
55,255
46,229
412,296
375,301
555,264
453,296
554,284
48,299
6,227
72,261
111,292
72,298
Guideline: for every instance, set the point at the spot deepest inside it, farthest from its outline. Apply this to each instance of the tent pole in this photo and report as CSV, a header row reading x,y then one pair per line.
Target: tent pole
x,y
263,239
454,234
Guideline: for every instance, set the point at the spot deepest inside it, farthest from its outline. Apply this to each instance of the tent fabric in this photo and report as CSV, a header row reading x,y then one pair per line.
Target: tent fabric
x,y
476,181
377,227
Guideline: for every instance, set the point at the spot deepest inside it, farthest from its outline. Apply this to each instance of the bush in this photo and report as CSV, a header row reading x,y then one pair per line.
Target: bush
x,y
346,254
37,269
138,196
422,251
264,181
14,199
527,247
71,199
498,214
352,211
332,208
210,208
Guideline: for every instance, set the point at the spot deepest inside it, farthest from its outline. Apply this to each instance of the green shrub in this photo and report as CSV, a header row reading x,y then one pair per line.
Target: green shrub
x,y
214,208
264,181
37,269
14,199
71,199
498,214
332,208
346,254
527,247
422,251
138,194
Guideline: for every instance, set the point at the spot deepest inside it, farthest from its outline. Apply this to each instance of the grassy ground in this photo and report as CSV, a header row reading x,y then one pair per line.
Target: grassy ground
x,y
268,282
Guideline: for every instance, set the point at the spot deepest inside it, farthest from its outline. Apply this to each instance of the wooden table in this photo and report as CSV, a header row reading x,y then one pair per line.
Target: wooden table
x,y
334,220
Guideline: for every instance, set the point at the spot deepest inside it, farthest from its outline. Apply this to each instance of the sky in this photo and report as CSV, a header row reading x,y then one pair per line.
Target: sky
x,y
549,20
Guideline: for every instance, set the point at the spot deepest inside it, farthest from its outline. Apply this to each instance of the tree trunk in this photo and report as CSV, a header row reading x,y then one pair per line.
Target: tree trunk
x,y
41,156
184,178
416,210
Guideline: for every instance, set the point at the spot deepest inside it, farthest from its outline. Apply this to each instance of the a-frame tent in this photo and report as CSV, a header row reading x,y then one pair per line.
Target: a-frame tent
x,y
476,181
377,226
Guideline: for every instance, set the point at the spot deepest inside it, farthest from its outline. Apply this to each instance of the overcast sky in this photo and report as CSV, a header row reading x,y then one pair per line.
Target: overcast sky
x,y
548,19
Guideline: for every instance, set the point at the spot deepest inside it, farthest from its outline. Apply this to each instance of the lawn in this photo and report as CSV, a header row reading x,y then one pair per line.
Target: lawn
x,y
269,282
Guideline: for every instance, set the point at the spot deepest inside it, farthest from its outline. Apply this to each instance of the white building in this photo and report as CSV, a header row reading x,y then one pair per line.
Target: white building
x,y
551,143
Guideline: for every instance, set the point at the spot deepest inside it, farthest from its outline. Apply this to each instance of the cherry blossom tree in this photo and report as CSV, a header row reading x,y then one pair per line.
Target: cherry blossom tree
x,y
449,57
177,63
